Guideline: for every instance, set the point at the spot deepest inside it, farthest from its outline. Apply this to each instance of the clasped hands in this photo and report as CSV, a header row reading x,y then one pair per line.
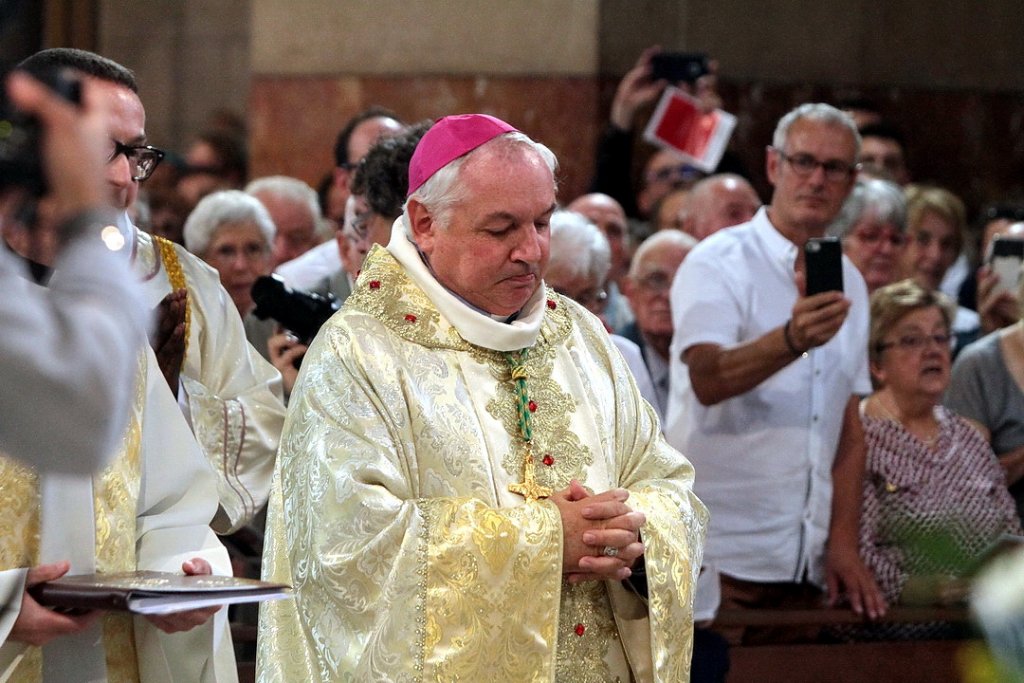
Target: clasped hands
x,y
38,625
592,523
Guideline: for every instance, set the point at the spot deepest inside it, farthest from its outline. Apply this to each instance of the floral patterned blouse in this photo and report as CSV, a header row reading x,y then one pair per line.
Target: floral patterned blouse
x,y
929,509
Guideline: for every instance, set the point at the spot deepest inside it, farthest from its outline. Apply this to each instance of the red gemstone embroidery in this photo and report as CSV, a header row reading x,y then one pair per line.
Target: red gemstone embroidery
x,y
580,628
548,460
532,406
374,284
552,304
410,317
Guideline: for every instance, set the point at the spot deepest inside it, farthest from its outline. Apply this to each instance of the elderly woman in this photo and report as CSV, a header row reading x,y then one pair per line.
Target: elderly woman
x,y
577,268
233,232
935,498
873,228
988,388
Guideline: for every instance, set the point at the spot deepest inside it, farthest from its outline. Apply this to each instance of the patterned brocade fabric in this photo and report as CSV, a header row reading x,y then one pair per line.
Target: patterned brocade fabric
x,y
392,519
116,493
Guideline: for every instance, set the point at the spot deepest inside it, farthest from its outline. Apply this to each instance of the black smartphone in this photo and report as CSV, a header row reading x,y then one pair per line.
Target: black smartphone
x,y
676,67
823,257
1006,254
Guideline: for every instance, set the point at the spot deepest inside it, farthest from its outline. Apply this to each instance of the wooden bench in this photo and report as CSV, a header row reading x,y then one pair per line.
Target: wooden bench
x,y
908,661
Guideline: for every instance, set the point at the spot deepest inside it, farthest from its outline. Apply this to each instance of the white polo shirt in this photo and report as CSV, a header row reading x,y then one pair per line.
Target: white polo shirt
x,y
763,460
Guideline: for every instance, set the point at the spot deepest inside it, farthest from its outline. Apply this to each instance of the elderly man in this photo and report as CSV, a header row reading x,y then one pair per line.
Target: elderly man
x,y
650,277
608,216
295,210
432,513
378,192
766,380
577,268
717,202
354,141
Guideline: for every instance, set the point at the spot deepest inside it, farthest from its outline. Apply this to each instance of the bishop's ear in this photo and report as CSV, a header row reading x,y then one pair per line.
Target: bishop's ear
x,y
421,226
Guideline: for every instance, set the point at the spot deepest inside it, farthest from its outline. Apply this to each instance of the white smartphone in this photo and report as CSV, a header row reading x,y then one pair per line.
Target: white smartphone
x,y
1004,258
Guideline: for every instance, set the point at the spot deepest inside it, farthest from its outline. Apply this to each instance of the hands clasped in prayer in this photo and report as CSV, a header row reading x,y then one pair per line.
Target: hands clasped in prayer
x,y
592,525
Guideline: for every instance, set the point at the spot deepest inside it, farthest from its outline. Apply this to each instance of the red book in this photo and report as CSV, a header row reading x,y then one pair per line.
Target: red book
x,y
679,124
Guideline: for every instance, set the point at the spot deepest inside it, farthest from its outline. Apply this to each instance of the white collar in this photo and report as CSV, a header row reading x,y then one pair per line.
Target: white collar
x,y
127,229
472,325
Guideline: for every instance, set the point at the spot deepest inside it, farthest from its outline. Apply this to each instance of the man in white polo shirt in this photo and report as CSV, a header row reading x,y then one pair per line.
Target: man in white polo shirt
x,y
765,383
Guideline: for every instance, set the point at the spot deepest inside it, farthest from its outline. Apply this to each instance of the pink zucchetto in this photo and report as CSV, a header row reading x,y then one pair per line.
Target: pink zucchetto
x,y
448,139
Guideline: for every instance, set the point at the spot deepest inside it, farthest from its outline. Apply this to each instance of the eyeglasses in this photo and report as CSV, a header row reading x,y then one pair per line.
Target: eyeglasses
x,y
805,164
916,342
143,159
683,173
594,300
873,238
656,282
229,253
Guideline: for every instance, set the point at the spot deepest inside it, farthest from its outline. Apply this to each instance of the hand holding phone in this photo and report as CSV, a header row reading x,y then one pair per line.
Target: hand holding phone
x,y
679,67
823,258
1006,254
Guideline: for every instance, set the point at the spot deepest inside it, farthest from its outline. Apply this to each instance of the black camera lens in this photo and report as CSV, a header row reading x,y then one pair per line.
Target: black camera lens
x,y
20,163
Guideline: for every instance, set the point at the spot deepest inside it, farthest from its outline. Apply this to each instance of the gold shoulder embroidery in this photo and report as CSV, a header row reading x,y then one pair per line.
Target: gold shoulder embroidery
x,y
177,277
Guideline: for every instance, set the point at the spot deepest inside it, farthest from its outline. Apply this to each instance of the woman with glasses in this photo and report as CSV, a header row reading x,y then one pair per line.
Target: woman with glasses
x,y
935,499
233,232
872,226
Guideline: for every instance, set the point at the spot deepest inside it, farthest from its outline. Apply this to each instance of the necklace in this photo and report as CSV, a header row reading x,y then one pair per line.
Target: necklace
x,y
889,415
529,488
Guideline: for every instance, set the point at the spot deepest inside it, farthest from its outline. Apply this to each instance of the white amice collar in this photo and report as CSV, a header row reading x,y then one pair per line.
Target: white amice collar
x,y
472,325
127,229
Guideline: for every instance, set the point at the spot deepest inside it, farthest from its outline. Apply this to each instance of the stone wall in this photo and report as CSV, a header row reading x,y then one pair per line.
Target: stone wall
x,y
947,73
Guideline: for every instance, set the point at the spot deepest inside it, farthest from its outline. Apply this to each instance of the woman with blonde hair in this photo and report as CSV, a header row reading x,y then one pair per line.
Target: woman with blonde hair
x,y
936,225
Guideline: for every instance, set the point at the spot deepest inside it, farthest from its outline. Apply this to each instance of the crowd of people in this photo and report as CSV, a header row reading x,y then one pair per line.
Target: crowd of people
x,y
486,463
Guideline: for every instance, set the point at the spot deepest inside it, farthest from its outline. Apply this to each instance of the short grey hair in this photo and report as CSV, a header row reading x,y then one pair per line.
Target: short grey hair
x,y
657,241
579,246
441,191
287,187
882,198
222,208
815,111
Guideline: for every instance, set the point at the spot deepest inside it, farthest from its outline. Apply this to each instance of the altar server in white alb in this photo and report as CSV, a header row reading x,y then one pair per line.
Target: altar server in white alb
x,y
229,395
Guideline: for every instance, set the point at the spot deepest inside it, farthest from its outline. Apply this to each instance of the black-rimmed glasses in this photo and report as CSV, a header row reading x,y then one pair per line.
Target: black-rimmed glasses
x,y
805,164
142,158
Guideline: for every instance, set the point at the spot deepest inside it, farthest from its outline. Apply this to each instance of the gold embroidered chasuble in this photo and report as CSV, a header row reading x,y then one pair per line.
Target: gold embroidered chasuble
x,y
116,490
152,506
391,514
